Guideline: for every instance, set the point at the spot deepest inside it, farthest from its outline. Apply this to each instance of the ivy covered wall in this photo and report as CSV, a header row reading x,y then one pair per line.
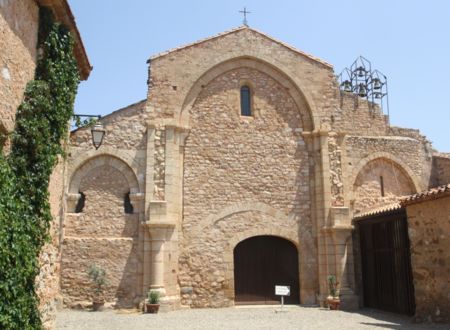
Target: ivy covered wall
x,y
25,218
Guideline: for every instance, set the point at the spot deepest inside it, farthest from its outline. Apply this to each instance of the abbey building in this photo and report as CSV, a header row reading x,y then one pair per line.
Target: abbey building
x,y
244,168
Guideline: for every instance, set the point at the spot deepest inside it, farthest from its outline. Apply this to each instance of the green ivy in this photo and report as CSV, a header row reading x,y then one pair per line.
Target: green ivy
x,y
25,218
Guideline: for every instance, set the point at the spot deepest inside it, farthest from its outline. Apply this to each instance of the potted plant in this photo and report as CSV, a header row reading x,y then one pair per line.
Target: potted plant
x,y
152,303
97,275
333,300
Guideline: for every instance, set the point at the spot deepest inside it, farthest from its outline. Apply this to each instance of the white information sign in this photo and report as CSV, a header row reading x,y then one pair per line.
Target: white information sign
x,y
281,290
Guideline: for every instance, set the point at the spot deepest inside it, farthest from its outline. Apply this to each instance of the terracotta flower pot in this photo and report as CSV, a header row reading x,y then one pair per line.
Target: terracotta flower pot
x,y
152,308
333,303
98,305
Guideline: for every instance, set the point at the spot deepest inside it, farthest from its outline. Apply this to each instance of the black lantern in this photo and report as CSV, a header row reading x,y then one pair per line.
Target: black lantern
x,y
98,132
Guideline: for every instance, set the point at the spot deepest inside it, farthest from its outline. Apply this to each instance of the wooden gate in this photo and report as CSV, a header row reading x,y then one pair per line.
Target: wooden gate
x,y
260,263
386,263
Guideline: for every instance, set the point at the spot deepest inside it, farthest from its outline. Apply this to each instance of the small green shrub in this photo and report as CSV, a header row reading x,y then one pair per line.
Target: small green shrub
x,y
153,297
97,275
333,286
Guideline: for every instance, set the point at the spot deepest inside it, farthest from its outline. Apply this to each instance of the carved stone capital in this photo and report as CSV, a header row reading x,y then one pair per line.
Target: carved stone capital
x,y
137,200
72,201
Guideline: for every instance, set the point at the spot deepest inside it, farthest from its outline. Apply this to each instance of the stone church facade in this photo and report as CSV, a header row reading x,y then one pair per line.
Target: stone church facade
x,y
183,178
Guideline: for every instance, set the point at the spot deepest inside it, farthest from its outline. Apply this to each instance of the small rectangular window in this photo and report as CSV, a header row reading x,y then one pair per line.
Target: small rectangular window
x,y
245,101
382,186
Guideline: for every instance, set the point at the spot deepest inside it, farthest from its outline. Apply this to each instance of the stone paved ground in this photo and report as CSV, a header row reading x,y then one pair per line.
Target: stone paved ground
x,y
247,318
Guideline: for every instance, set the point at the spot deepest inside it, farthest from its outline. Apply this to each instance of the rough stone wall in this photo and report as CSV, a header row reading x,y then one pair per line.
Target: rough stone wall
x,y
356,116
368,189
174,74
47,282
411,152
125,129
101,234
19,22
429,228
232,160
441,170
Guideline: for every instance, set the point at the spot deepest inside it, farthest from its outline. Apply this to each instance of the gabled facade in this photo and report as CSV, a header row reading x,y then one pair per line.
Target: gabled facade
x,y
243,144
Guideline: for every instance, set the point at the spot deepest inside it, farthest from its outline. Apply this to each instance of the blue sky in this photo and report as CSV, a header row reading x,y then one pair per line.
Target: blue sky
x,y
409,41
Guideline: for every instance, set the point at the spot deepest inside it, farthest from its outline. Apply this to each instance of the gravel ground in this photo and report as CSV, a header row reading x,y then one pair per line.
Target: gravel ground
x,y
293,317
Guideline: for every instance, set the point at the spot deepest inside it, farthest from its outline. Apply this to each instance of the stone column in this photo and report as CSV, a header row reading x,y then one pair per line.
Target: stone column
x,y
320,203
163,210
341,232
158,238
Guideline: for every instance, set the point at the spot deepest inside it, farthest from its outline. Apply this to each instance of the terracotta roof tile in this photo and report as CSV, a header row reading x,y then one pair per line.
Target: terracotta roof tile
x,y
430,194
379,210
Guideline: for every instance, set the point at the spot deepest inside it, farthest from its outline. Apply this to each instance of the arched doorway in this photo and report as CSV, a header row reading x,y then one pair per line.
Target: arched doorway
x,y
260,263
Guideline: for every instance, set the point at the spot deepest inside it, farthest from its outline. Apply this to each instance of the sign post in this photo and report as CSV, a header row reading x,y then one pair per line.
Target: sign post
x,y
282,290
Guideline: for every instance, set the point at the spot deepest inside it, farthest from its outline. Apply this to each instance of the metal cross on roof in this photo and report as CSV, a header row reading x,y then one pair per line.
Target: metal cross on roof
x,y
245,12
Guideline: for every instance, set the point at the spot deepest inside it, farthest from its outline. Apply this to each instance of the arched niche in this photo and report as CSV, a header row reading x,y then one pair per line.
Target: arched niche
x,y
380,181
303,101
91,164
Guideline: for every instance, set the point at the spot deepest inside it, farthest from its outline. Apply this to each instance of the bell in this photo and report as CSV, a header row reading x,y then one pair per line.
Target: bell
x,y
378,95
347,86
376,83
360,71
362,90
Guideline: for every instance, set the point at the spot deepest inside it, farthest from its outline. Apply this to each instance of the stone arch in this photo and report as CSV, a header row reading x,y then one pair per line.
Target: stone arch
x,y
364,188
288,235
100,160
260,263
244,207
281,233
304,102
103,233
391,158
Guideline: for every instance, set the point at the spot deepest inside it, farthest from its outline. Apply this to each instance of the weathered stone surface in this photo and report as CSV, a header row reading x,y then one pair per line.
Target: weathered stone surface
x,y
307,159
118,256
101,234
379,183
429,234
441,167
19,21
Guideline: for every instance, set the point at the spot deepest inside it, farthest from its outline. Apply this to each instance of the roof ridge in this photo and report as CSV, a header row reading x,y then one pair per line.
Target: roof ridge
x,y
293,48
239,28
171,50
425,195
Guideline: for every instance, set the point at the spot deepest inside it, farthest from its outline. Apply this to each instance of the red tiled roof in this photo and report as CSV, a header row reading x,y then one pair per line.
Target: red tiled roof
x,y
430,194
378,210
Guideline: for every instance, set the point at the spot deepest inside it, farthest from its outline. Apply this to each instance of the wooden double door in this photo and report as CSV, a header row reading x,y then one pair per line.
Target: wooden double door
x,y
260,263
386,263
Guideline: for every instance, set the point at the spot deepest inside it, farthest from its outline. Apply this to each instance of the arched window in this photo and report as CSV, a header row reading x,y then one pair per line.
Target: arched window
x,y
246,106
